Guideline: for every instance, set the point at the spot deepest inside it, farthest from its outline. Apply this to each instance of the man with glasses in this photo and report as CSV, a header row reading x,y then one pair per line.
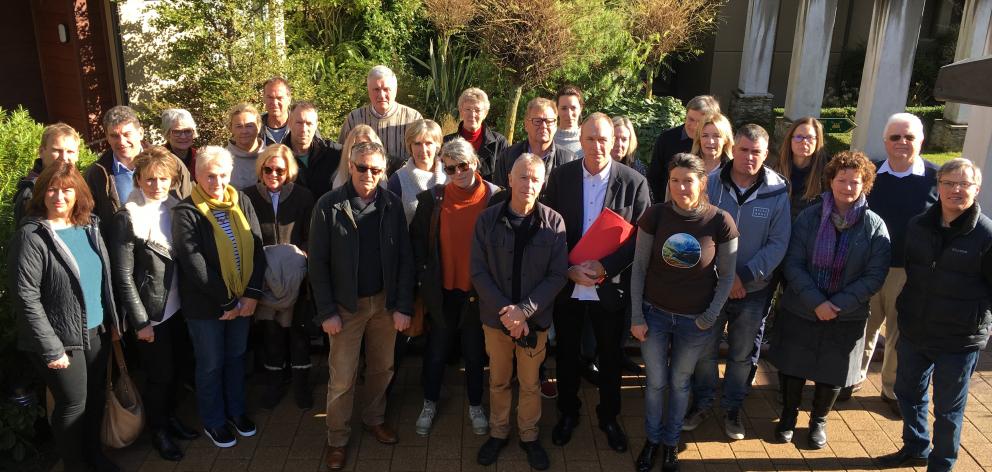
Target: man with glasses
x,y
905,186
316,158
540,122
362,275
944,317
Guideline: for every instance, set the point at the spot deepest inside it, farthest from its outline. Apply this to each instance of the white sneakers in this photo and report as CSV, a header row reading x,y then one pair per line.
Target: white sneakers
x,y
476,414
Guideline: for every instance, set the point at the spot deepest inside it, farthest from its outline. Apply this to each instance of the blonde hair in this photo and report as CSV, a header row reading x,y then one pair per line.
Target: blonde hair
x,y
540,103
625,122
58,130
422,127
278,150
341,175
726,132
239,109
474,94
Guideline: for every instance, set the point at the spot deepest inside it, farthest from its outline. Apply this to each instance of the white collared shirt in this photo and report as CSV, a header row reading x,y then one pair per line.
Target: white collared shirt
x,y
917,168
593,198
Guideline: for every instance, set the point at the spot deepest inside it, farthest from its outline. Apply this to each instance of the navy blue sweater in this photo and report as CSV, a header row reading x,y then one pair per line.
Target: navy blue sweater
x,y
897,200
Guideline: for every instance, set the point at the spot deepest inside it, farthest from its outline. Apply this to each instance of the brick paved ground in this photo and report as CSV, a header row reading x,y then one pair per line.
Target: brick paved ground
x,y
291,440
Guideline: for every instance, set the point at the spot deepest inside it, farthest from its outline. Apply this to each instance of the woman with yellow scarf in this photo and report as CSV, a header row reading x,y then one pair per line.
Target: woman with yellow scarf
x,y
218,247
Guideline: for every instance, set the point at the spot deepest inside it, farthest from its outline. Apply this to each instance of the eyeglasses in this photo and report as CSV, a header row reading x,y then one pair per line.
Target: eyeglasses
x,y
539,122
952,185
896,137
361,168
274,170
460,167
182,132
799,138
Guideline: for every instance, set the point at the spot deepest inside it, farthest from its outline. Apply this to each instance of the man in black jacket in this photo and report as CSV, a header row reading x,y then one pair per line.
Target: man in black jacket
x,y
580,190
316,158
944,317
540,122
676,140
59,143
362,274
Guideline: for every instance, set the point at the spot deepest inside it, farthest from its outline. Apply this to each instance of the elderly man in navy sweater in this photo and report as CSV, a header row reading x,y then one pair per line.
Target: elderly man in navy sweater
x,y
906,185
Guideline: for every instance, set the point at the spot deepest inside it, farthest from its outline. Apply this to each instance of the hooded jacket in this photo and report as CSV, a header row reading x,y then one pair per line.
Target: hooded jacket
x,y
764,222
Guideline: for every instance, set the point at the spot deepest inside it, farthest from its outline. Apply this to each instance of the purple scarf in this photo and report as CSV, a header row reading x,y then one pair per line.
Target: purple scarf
x,y
830,252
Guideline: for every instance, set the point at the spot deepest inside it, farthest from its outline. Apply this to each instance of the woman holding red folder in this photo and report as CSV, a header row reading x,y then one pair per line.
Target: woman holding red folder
x,y
682,275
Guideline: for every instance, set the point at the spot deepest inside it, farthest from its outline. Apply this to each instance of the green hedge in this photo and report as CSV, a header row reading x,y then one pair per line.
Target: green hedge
x,y
650,117
20,136
927,114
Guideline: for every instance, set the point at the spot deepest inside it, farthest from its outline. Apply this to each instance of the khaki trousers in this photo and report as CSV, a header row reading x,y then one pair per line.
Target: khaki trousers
x,y
883,311
375,324
502,350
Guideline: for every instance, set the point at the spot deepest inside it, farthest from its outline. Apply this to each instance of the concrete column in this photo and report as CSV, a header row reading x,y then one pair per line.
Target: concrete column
x,y
976,21
808,65
895,30
978,142
752,102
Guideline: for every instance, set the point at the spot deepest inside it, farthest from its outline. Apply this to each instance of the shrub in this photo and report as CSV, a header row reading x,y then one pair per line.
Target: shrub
x,y
650,117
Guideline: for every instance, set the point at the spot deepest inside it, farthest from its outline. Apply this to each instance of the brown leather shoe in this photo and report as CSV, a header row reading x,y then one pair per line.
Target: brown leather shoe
x,y
383,433
335,458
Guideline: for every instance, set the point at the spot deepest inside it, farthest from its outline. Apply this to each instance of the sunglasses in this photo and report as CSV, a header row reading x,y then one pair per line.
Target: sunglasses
x,y
896,137
460,167
361,168
274,170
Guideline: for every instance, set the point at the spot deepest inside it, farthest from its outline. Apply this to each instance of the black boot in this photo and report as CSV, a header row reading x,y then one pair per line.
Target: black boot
x,y
670,459
823,401
166,447
273,389
180,431
645,460
791,390
302,393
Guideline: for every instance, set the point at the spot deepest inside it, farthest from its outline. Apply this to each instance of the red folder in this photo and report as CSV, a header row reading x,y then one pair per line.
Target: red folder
x,y
604,237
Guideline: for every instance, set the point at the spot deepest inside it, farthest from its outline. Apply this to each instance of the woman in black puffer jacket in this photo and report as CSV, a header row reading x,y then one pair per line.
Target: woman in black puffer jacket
x,y
64,305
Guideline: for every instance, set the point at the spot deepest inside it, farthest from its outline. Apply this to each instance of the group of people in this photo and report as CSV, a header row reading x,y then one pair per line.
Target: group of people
x,y
175,249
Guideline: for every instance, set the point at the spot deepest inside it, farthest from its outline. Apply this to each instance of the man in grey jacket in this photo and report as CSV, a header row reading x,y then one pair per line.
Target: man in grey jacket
x,y
758,199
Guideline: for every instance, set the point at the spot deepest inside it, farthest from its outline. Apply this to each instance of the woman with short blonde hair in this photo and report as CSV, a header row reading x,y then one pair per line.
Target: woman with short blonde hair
x,y
244,121
423,170
473,108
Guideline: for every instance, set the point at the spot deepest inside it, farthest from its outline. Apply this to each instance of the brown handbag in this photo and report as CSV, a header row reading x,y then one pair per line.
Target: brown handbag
x,y
123,418
418,320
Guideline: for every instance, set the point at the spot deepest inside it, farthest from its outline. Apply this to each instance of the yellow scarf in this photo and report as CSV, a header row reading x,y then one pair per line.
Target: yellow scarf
x,y
235,278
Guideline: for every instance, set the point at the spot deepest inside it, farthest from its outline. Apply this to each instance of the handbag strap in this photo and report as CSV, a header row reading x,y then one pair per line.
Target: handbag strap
x,y
116,356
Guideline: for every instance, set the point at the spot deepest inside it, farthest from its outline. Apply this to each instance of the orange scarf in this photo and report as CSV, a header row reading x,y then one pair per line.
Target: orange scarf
x,y
459,210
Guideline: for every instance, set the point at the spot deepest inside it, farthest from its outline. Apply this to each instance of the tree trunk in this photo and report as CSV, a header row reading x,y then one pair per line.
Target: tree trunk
x,y
278,33
511,117
649,81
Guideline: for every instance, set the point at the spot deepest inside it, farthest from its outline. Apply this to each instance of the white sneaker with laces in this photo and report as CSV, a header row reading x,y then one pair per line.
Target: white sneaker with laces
x,y
480,423
426,418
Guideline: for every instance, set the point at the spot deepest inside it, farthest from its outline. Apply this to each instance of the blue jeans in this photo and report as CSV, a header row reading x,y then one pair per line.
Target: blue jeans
x,y
688,343
744,319
219,347
951,373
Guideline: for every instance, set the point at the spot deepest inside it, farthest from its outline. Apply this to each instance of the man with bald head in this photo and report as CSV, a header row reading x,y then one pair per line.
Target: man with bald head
x,y
580,191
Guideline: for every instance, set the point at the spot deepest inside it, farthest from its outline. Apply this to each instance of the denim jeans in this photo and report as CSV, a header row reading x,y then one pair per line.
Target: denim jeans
x,y
687,343
744,319
219,347
951,373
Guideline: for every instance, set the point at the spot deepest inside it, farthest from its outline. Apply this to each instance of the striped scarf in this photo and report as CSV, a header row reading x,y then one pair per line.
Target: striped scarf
x,y
830,251
234,240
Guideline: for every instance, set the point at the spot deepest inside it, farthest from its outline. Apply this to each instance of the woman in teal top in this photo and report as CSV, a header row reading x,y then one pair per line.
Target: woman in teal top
x,y
65,310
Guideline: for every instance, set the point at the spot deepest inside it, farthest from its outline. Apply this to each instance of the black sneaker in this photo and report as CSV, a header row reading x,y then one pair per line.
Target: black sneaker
x,y
490,451
537,457
243,425
221,436
670,458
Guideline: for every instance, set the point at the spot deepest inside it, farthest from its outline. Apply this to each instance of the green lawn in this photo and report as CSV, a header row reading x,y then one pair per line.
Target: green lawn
x,y
837,142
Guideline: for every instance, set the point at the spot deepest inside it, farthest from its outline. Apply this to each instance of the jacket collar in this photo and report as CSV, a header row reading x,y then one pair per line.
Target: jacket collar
x,y
964,224
287,188
772,183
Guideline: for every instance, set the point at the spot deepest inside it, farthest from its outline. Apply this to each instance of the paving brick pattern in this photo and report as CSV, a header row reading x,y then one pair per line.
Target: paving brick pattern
x,y
293,441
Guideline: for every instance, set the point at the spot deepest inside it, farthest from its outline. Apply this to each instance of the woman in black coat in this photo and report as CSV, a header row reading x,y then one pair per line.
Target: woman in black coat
x,y
284,211
147,287
221,265
838,258
64,306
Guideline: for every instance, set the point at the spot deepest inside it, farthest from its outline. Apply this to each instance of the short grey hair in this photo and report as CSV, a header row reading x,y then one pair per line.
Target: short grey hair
x,y
707,104
528,160
752,132
365,149
961,163
175,117
459,150
382,72
210,156
474,94
908,118
120,115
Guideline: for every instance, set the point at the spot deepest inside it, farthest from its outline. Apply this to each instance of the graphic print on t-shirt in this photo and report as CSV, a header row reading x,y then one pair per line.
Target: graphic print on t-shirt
x,y
681,250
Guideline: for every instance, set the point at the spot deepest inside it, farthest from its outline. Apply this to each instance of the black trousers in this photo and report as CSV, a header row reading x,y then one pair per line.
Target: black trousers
x,y
608,326
439,343
80,399
165,362
283,344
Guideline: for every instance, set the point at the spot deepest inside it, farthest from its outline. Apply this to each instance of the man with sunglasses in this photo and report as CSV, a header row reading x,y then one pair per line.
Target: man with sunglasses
x,y
362,274
317,158
540,122
905,186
